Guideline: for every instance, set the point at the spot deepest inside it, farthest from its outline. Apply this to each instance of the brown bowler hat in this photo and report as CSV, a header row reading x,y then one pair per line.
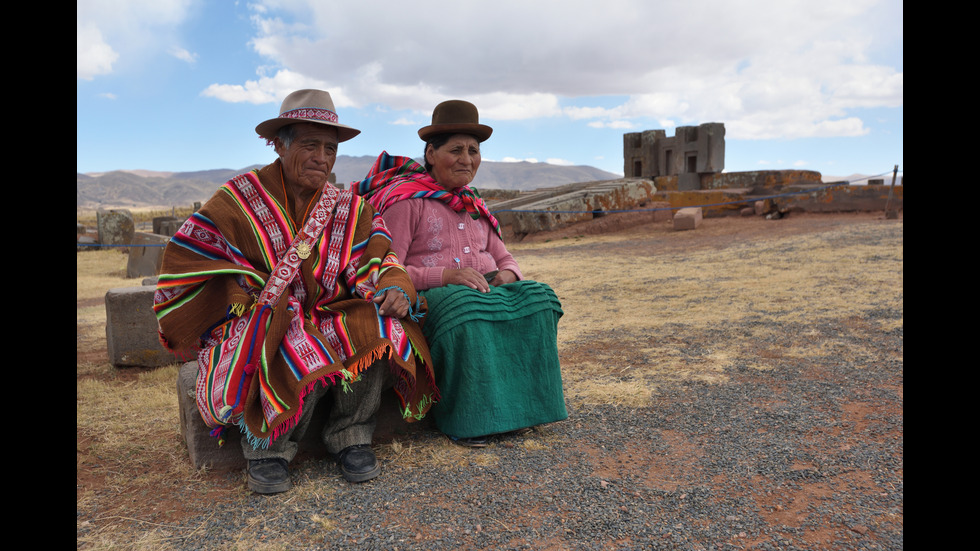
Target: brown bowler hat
x,y
306,106
456,117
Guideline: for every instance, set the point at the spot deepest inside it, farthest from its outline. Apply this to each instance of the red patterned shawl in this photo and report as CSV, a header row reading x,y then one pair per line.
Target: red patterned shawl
x,y
392,179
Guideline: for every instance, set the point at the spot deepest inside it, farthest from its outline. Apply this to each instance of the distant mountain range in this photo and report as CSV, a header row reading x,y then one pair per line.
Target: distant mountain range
x,y
144,189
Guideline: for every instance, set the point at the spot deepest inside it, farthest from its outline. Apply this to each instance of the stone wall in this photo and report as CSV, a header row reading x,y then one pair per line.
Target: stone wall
x,y
767,179
844,198
800,196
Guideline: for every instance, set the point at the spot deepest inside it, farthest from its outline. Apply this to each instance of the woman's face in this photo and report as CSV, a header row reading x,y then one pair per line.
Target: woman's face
x,y
454,165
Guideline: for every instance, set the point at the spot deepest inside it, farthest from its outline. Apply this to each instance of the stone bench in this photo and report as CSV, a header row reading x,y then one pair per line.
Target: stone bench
x,y
204,450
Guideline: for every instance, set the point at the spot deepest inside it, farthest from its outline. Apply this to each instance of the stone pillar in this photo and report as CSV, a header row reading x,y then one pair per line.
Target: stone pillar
x,y
146,255
115,227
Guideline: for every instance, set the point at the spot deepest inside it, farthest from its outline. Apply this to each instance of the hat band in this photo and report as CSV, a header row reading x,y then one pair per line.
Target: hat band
x,y
310,113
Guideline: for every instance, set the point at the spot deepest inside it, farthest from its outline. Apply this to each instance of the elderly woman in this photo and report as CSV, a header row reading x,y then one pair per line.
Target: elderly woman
x,y
492,333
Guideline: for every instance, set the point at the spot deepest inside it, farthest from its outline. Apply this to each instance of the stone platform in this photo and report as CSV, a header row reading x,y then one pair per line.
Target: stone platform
x,y
550,209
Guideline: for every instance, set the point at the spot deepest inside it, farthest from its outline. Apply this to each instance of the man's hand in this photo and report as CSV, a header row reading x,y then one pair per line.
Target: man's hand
x,y
393,304
465,276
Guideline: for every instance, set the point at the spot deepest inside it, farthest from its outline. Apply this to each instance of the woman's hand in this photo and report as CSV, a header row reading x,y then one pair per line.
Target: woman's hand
x,y
465,276
393,304
503,277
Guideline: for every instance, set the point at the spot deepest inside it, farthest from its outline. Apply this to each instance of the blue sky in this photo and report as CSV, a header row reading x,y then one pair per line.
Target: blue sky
x,y
179,85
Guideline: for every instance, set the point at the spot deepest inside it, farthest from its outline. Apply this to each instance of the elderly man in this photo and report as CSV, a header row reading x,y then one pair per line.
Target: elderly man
x,y
287,291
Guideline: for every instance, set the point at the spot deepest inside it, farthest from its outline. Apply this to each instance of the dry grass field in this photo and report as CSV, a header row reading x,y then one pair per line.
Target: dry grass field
x,y
647,310
661,290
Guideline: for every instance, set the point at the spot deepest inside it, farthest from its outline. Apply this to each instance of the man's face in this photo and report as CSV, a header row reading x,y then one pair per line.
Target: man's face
x,y
310,157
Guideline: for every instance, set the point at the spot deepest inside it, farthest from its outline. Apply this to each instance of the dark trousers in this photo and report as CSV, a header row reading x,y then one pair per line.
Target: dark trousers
x,y
350,421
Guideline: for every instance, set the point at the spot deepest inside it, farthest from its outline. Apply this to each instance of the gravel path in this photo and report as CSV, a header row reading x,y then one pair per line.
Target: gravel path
x,y
806,457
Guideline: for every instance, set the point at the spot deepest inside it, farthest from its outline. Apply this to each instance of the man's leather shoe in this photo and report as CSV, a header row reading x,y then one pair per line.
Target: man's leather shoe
x,y
358,463
268,476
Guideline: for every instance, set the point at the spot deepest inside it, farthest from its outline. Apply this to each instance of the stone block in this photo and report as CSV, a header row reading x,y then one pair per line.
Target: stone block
x,y
687,218
146,254
662,211
85,243
115,227
131,329
158,222
170,227
712,202
688,181
204,450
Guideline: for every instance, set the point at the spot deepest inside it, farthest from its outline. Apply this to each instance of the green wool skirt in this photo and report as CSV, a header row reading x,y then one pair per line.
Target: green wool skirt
x,y
495,357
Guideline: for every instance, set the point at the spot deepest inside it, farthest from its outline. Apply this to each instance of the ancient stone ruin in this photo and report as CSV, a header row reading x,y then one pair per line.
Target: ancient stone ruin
x,y
687,170
693,151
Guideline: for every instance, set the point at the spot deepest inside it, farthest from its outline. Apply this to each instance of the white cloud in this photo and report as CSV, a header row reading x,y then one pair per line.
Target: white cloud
x,y
618,124
269,89
93,56
111,33
578,113
766,68
183,55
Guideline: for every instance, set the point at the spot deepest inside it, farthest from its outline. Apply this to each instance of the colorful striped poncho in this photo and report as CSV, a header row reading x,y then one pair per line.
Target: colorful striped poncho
x,y
322,331
392,179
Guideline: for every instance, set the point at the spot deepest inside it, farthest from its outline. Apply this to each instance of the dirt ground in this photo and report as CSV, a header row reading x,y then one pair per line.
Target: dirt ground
x,y
114,503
